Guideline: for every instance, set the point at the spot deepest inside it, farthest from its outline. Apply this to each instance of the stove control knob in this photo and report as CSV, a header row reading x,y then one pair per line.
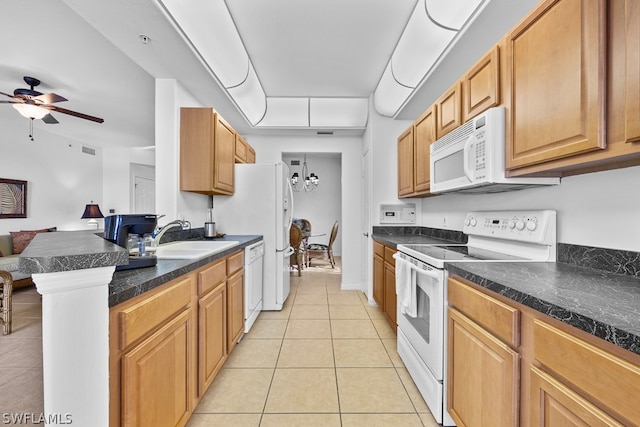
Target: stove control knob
x,y
520,225
466,221
531,225
512,224
474,222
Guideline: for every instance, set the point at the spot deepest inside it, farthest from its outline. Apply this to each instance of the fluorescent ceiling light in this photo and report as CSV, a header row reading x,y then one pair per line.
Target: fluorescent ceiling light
x,y
431,30
338,112
286,112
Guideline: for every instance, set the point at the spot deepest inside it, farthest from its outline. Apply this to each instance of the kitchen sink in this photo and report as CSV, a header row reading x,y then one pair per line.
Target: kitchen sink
x,y
192,249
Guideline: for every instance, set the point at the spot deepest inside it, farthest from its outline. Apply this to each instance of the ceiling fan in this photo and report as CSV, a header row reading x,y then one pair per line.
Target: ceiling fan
x,y
35,105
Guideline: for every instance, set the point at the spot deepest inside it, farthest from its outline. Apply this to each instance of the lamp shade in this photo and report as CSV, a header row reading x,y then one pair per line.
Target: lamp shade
x,y
92,211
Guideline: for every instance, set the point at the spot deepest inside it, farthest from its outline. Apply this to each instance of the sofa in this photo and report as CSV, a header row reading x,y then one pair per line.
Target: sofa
x,y
11,245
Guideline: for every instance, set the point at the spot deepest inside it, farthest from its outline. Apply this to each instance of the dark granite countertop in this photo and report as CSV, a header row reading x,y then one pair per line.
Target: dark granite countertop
x,y
78,250
128,283
70,250
593,289
601,303
394,236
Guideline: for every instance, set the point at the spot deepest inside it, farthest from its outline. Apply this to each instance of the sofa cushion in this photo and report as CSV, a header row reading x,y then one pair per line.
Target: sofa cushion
x,y
21,239
9,263
6,246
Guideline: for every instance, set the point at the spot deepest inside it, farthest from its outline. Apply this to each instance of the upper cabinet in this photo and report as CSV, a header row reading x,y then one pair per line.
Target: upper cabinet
x,y
448,111
413,156
632,70
207,152
557,82
481,85
244,153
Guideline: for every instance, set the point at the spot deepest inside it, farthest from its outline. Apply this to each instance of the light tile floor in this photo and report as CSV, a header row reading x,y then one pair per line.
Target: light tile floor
x,y
327,359
21,358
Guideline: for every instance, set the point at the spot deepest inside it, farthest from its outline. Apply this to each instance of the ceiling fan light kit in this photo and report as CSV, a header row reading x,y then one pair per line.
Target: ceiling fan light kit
x,y
35,105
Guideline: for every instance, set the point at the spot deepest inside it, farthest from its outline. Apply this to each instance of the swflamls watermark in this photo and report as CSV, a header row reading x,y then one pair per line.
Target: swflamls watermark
x,y
36,418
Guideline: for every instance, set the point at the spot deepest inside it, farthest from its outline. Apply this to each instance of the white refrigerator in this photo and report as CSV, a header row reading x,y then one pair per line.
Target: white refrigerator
x,y
262,203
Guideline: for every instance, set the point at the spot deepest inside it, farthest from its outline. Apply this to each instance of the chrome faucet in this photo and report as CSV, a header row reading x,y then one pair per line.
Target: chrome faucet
x,y
157,235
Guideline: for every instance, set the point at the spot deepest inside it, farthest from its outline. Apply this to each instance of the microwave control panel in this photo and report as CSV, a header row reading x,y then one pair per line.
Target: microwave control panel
x,y
398,214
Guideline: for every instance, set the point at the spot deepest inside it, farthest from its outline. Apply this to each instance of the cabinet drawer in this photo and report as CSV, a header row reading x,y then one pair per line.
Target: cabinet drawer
x,y
211,276
378,249
602,375
388,255
141,318
235,262
499,318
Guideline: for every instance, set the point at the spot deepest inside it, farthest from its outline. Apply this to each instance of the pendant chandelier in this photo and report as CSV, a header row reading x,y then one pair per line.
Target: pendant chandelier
x,y
308,182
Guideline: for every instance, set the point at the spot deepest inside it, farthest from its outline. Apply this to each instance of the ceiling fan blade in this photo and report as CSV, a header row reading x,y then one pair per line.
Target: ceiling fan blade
x,y
49,119
73,113
50,98
6,94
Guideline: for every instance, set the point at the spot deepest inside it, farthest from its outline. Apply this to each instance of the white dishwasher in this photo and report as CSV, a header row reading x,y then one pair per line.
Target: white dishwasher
x,y
253,273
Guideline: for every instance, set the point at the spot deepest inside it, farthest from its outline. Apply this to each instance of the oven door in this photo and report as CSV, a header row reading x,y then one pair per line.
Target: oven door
x,y
425,332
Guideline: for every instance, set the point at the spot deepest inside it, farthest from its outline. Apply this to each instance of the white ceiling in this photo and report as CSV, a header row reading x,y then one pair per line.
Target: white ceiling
x,y
89,51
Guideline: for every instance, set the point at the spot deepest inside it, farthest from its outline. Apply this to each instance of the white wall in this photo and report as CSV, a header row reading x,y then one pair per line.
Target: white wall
x,y
61,179
117,176
170,201
270,149
323,206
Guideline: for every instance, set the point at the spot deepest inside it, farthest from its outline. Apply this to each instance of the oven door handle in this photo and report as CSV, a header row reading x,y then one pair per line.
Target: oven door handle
x,y
430,273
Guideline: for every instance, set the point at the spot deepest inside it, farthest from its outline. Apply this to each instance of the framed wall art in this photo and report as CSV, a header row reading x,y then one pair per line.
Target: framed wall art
x,y
13,198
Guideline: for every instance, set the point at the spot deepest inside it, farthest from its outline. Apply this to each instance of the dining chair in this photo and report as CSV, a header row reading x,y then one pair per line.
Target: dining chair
x,y
318,250
295,240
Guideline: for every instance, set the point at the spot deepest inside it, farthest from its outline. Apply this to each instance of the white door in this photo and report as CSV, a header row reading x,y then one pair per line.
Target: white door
x,y
366,274
144,200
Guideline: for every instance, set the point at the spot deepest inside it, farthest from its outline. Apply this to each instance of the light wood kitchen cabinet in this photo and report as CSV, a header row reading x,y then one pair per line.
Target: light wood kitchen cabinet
x,y
414,178
481,85
378,274
235,299
556,78
574,379
207,152
449,110
384,281
632,69
483,369
244,153
565,377
390,299
212,322
153,356
405,163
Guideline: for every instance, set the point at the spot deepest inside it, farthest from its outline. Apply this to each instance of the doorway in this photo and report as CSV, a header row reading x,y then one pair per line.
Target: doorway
x,y
144,189
323,206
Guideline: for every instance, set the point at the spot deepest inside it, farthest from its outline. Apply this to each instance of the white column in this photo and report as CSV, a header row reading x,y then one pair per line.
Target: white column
x,y
75,345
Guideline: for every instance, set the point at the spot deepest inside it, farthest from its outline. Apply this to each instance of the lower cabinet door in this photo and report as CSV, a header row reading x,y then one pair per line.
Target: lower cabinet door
x,y
378,281
158,376
212,335
390,298
483,376
235,309
554,404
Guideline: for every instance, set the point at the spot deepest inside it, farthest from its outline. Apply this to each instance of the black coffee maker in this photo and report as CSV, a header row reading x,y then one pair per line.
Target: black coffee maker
x,y
119,228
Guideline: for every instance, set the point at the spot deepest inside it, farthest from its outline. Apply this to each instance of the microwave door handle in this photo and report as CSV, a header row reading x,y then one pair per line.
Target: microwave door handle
x,y
466,153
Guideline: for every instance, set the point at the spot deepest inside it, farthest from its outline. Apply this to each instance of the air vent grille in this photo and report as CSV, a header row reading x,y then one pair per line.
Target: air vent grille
x,y
325,132
89,150
295,162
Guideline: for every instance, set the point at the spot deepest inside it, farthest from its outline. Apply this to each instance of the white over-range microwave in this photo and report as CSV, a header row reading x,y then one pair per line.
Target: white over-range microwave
x,y
471,158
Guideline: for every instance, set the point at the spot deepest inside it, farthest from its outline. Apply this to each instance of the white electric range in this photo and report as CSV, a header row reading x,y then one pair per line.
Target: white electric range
x,y
421,285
